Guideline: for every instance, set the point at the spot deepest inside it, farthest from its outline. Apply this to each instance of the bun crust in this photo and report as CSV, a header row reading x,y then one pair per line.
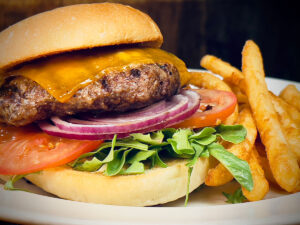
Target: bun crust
x,y
155,186
76,27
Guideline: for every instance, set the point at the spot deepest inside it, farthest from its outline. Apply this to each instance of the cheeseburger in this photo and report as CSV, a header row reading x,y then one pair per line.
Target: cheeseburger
x,y
87,100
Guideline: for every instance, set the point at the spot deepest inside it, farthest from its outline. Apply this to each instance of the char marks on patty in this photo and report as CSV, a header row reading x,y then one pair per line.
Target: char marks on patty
x,y
23,101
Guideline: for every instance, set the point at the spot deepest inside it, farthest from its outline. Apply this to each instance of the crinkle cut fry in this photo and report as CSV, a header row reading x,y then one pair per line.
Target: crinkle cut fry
x,y
282,160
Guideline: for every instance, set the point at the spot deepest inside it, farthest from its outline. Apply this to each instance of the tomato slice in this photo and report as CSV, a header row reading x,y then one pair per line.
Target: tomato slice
x,y
215,107
27,150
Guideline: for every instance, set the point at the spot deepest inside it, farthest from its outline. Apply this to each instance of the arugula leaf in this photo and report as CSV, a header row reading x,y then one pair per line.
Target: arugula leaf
x,y
140,156
188,186
124,143
154,138
135,168
115,166
205,153
168,132
232,133
239,169
205,132
180,142
156,160
199,149
89,165
89,154
9,185
236,197
129,143
207,140
94,164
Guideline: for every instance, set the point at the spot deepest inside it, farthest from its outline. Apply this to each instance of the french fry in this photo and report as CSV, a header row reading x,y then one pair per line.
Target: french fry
x,y
291,95
261,185
290,130
263,160
241,97
220,175
291,110
224,69
209,81
282,160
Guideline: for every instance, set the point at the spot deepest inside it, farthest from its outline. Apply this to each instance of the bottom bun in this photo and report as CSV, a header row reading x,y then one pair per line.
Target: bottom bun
x,y
155,186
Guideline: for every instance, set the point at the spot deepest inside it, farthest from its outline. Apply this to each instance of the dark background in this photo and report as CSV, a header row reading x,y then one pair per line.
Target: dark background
x,y
193,28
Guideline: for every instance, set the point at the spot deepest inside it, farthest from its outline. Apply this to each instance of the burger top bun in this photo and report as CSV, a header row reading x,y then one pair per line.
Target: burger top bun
x,y
76,27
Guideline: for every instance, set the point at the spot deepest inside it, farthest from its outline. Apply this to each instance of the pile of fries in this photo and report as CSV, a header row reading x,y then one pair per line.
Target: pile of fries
x,y
272,145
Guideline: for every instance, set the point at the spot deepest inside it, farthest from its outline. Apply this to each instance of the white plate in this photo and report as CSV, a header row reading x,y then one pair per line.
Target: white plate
x,y
206,206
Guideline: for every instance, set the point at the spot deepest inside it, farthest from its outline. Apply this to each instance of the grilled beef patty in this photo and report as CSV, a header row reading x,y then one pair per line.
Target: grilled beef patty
x,y
23,101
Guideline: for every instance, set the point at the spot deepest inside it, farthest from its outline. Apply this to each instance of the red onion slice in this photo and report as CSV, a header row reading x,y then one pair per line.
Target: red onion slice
x,y
115,118
193,106
177,104
189,100
50,129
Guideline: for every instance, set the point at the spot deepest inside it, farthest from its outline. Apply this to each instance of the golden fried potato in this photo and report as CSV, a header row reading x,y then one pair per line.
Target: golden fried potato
x,y
290,129
220,175
263,160
209,81
283,161
224,69
291,95
261,185
241,97
291,110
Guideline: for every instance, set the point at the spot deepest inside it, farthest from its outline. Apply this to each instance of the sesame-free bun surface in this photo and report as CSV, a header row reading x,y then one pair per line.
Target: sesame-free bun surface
x,y
76,27
155,186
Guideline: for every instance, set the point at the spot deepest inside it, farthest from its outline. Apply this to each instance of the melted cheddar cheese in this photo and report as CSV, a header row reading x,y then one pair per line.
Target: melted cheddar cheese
x,y
63,75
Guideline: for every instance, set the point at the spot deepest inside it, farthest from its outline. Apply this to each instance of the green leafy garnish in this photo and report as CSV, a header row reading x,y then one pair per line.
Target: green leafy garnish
x,y
188,186
89,165
236,197
141,156
156,161
232,133
154,138
116,165
135,168
239,169
205,132
199,149
180,143
9,185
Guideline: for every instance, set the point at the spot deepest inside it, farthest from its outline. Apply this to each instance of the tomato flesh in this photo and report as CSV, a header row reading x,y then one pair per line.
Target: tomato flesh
x,y
27,150
221,104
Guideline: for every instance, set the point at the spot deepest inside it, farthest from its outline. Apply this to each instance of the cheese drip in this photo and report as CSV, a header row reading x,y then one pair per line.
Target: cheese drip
x,y
63,75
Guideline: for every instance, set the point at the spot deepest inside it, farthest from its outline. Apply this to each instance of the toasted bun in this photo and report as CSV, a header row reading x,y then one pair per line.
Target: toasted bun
x,y
155,186
76,27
